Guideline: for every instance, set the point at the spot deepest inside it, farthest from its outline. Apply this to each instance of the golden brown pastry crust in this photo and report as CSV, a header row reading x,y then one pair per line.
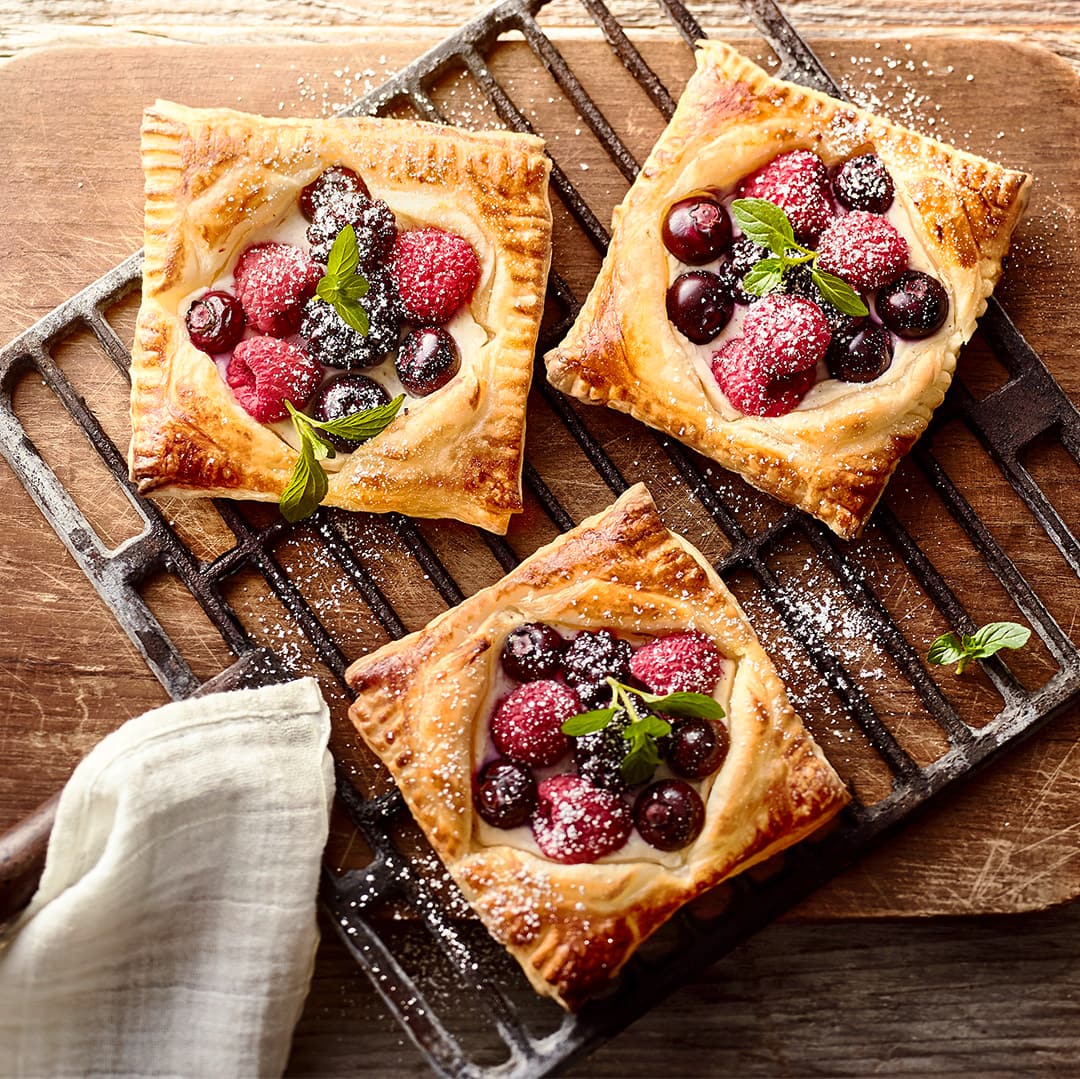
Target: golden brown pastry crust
x,y
832,456
214,179
420,700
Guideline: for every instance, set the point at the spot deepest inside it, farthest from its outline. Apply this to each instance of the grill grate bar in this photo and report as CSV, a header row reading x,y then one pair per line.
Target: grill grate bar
x,y
568,82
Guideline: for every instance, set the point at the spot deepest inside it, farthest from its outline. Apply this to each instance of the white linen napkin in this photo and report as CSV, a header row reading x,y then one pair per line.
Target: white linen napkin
x,y
173,932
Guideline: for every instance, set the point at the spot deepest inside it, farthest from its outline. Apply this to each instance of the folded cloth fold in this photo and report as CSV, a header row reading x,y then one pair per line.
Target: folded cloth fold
x,y
173,932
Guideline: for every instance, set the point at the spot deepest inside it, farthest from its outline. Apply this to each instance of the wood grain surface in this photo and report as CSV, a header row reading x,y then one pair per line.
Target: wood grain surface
x,y
1004,842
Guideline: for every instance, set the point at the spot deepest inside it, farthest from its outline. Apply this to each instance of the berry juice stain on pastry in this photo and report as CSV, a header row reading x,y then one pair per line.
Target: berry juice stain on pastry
x,y
419,257
788,283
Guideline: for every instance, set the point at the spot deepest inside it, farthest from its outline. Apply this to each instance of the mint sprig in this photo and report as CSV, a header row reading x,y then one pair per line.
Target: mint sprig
x,y
644,728
308,484
991,638
769,227
342,286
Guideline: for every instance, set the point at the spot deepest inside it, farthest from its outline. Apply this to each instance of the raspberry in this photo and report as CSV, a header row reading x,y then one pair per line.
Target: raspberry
x,y
576,822
435,273
747,385
527,725
679,663
798,183
273,282
334,342
786,333
863,249
372,221
265,372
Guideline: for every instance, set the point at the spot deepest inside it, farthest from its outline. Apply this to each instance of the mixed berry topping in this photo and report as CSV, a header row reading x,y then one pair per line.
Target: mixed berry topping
x,y
669,814
435,273
576,822
798,257
372,221
532,651
215,321
697,229
798,183
786,334
274,281
863,183
343,395
331,184
573,773
427,361
914,305
264,373
527,725
506,793
296,313
699,305
863,249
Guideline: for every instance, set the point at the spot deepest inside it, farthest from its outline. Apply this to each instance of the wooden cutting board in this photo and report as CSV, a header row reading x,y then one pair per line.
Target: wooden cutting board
x,y
70,209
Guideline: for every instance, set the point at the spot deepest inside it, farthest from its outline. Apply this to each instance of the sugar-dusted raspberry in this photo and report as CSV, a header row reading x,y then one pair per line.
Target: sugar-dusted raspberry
x,y
747,385
786,333
527,725
274,281
435,273
686,662
798,183
264,373
864,249
576,822
372,221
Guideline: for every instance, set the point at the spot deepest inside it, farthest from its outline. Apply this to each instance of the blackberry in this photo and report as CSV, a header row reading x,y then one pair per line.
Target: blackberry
x,y
343,395
599,755
334,343
592,657
372,220
745,254
798,282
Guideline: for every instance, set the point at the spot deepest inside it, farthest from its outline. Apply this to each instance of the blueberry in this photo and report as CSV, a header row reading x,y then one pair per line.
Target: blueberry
x,y
695,748
532,651
505,793
428,360
699,305
215,322
696,229
914,305
343,395
669,814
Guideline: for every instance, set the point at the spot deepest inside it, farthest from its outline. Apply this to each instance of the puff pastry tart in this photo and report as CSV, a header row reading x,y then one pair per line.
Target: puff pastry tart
x,y
788,284
591,743
435,292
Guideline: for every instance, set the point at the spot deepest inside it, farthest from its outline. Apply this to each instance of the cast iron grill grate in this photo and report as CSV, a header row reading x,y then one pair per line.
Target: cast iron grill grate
x,y
1005,422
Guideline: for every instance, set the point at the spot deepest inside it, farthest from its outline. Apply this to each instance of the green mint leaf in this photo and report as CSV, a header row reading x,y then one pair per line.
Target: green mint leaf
x,y
344,255
354,288
765,223
696,705
948,648
640,761
352,313
995,636
588,722
764,276
654,726
327,290
362,425
838,292
307,486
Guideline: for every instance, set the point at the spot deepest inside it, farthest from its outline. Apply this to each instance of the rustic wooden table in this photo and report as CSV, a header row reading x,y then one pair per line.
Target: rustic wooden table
x,y
991,994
